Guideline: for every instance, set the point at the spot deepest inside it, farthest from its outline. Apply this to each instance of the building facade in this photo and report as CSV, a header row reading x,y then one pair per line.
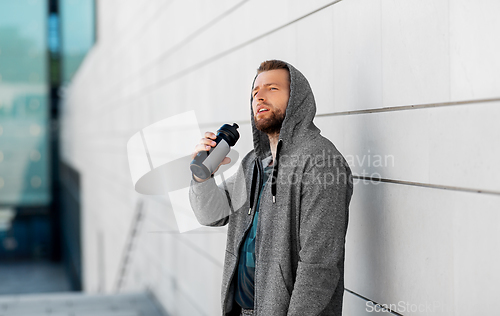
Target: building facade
x,y
408,91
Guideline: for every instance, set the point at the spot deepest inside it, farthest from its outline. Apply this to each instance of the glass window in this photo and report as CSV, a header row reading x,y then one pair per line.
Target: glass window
x,y
77,33
24,145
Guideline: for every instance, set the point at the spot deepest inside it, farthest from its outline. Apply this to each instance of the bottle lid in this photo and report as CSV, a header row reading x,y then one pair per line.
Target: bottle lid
x,y
229,133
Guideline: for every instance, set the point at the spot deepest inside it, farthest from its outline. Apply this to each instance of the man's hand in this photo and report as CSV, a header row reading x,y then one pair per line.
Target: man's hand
x,y
206,144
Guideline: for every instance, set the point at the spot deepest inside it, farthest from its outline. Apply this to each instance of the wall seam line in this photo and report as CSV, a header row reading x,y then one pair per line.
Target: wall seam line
x,y
380,110
209,60
426,185
369,300
409,107
179,45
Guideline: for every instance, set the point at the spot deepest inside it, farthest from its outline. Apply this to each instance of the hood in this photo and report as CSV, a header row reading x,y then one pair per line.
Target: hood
x,y
297,126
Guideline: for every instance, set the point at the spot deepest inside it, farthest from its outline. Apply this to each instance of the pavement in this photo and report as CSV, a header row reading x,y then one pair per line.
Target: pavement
x,y
79,304
39,288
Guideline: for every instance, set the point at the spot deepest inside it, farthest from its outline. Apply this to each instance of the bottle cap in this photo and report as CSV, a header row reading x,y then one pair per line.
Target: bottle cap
x,y
229,133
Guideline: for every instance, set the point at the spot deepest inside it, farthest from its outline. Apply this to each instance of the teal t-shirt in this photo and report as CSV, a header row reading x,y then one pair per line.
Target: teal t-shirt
x,y
244,295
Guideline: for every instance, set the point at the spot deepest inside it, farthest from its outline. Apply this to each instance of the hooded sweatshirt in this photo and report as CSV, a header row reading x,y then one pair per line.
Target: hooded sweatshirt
x,y
303,215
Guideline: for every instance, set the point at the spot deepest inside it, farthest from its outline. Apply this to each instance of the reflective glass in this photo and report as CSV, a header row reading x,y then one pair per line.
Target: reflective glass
x,y
77,34
24,135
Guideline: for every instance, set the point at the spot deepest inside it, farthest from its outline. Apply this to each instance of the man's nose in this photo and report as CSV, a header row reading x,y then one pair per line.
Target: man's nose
x,y
260,96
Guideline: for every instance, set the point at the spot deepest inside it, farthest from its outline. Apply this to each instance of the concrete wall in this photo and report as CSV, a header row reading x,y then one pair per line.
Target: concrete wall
x,y
409,91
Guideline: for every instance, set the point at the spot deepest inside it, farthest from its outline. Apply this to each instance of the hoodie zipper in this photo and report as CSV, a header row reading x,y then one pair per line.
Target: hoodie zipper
x,y
274,178
257,173
252,185
261,176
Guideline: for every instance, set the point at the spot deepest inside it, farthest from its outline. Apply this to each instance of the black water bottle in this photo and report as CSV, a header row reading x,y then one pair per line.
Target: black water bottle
x,y
205,162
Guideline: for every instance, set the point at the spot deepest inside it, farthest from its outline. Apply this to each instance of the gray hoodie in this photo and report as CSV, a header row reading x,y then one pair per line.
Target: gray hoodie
x,y
302,219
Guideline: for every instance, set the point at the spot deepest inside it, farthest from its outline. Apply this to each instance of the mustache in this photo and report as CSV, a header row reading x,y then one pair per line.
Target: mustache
x,y
266,104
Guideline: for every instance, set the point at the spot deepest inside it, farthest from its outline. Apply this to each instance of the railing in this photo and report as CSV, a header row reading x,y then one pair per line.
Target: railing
x,y
128,246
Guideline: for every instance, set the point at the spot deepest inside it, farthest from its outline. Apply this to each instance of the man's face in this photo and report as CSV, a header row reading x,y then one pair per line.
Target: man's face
x,y
270,99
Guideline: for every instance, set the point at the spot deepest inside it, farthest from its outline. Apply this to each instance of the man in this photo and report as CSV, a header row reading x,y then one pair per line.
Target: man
x,y
286,208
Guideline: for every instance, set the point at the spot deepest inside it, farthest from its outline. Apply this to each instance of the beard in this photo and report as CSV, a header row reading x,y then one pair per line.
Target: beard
x,y
271,125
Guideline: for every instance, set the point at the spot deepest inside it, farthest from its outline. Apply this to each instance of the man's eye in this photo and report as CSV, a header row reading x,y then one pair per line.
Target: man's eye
x,y
273,88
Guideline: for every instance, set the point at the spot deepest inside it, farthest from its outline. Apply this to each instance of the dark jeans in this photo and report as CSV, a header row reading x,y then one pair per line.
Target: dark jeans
x,y
246,312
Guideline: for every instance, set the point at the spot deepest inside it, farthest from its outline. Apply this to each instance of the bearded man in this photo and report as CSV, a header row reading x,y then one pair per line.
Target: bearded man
x,y
286,208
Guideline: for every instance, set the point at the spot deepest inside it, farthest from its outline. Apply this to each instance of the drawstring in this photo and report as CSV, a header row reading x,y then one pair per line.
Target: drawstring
x,y
275,171
254,183
273,179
